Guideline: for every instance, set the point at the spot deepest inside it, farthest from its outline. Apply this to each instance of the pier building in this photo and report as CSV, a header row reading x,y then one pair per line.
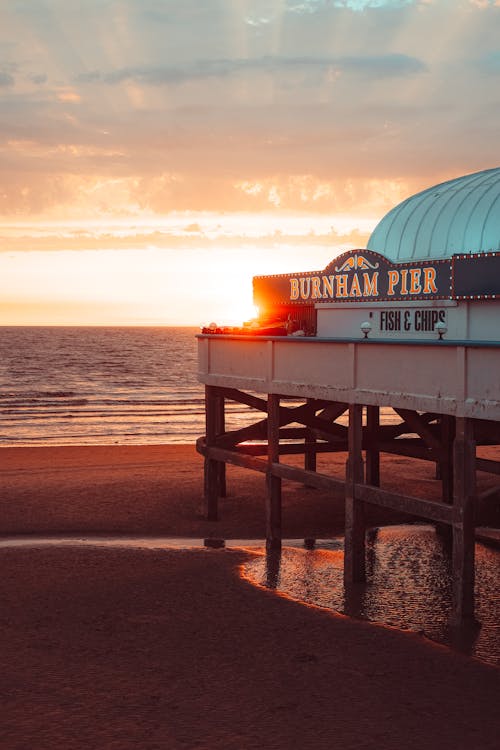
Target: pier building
x,y
410,323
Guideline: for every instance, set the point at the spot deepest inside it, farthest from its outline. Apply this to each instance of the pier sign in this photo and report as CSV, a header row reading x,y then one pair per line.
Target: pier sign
x,y
361,275
365,276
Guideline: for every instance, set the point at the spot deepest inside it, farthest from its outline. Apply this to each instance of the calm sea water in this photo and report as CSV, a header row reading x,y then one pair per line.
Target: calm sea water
x,y
80,386
99,386
409,585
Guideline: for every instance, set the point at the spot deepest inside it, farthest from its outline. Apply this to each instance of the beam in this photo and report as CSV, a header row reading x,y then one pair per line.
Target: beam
x,y
486,464
464,459
212,473
311,478
273,504
286,449
446,462
419,426
220,429
284,471
372,445
355,526
245,398
236,458
309,450
304,415
414,506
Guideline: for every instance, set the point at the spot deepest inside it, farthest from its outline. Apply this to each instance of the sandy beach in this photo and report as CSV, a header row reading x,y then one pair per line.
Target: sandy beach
x,y
137,648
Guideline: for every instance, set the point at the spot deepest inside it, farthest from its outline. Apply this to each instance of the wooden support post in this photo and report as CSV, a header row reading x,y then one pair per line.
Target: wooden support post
x,y
310,452
354,548
273,564
212,469
273,504
444,472
221,428
446,463
309,455
464,471
372,450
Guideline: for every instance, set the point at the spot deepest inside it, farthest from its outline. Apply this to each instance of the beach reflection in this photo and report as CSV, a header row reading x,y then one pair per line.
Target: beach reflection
x,y
408,586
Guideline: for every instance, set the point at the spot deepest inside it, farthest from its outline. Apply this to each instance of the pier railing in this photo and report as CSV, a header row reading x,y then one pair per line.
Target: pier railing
x,y
458,378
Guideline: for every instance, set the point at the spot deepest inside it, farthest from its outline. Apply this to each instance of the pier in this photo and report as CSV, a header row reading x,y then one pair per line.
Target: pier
x,y
417,335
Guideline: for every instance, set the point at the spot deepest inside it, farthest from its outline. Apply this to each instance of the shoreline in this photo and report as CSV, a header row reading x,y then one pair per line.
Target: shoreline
x,y
158,648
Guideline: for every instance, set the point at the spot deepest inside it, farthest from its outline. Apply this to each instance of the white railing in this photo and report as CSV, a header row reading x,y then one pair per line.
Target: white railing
x,y
457,378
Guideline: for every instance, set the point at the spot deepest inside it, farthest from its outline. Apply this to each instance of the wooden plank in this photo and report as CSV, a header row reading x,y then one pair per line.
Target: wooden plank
x,y
311,478
293,473
333,411
355,526
273,504
410,447
238,458
233,394
486,464
414,506
304,414
418,425
394,430
256,431
464,471
287,449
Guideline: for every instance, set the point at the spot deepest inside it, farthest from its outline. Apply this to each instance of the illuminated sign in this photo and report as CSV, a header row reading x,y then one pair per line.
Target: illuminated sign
x,y
357,277
365,276
354,276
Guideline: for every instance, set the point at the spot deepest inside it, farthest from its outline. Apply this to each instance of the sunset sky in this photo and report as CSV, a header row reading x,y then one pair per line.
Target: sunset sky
x,y
156,154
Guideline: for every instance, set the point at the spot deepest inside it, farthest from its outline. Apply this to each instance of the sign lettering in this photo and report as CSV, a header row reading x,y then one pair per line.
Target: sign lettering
x,y
349,283
417,320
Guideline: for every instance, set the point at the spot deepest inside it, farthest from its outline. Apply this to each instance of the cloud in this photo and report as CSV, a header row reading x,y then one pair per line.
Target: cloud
x,y
301,105
490,63
38,78
6,79
376,66
315,6
22,239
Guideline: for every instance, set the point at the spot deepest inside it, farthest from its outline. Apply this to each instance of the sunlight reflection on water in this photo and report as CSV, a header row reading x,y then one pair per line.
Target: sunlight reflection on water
x,y
408,579
408,585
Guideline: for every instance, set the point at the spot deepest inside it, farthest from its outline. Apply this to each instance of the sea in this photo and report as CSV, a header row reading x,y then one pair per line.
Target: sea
x,y
102,386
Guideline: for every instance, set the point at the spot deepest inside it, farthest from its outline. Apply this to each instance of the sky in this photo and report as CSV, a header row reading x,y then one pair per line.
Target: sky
x,y
157,154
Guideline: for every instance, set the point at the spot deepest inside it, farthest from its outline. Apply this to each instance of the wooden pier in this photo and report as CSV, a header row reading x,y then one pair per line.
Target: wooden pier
x,y
409,323
300,416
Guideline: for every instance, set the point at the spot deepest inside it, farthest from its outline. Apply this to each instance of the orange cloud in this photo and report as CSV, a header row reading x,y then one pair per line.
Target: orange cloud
x,y
68,96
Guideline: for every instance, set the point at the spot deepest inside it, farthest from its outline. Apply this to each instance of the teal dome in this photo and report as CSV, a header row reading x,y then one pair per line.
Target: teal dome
x,y
458,216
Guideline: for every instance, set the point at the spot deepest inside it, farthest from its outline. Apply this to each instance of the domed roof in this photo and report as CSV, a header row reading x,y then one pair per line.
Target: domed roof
x,y
458,216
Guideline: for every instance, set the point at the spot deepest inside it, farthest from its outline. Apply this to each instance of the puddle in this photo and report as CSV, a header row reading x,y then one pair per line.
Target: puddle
x,y
408,585
408,579
97,541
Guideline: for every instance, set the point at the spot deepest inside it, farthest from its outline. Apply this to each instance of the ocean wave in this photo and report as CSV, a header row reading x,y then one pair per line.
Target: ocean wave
x,y
43,404
76,386
25,395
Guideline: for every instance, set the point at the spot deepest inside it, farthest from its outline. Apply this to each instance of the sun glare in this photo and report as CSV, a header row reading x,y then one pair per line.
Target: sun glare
x,y
190,270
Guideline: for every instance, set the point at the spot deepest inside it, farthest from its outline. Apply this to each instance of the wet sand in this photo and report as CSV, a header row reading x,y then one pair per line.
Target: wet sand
x,y
107,648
